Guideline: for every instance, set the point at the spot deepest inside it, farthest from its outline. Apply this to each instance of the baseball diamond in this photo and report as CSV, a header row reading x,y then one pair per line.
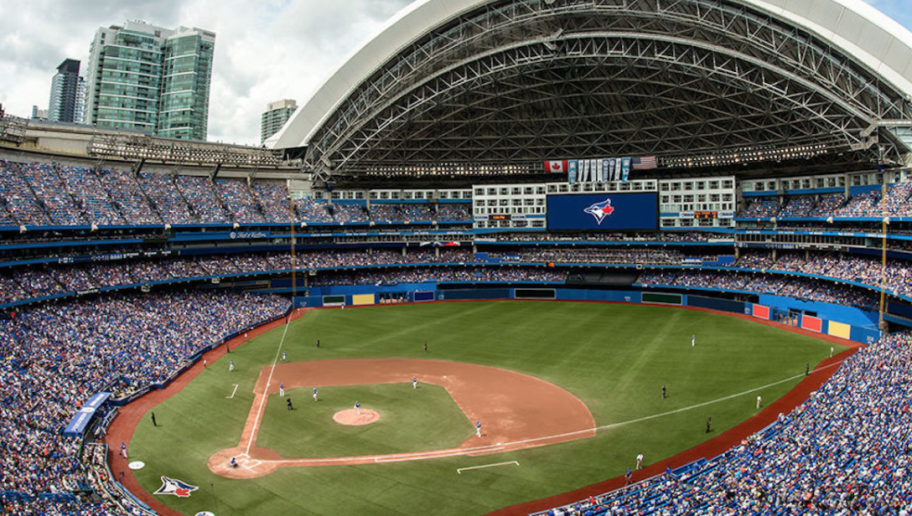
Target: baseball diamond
x,y
548,394
511,257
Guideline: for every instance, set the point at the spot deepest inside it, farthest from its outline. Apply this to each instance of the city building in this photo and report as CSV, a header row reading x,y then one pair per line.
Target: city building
x,y
67,94
151,79
275,116
39,114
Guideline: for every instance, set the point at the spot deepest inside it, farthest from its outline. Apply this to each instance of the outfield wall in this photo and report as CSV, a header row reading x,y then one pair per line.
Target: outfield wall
x,y
829,319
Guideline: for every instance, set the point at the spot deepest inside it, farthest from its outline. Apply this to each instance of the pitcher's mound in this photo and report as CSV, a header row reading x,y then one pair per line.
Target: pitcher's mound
x,y
351,418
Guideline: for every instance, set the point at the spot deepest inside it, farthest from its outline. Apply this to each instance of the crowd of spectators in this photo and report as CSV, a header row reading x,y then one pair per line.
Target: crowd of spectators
x,y
41,194
274,201
198,193
454,212
798,206
807,289
442,275
846,450
607,255
896,276
762,207
346,213
893,203
28,283
239,202
90,196
58,355
665,236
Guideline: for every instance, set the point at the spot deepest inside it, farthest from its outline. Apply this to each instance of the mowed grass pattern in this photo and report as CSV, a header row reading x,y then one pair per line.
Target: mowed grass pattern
x,y
411,420
613,357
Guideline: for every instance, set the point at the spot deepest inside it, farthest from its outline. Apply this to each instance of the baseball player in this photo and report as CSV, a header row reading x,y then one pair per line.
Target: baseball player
x,y
693,340
664,390
358,407
123,449
288,403
282,389
233,463
759,401
639,461
315,394
478,428
283,356
231,366
415,382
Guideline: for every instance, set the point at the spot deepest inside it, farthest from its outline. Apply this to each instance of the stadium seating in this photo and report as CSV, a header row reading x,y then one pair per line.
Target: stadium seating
x,y
58,355
808,462
777,278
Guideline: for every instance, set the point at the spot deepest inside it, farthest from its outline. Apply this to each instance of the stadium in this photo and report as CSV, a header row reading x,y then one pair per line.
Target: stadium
x,y
512,257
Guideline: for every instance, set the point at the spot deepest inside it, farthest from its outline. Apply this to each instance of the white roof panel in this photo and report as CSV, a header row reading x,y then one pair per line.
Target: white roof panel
x,y
857,28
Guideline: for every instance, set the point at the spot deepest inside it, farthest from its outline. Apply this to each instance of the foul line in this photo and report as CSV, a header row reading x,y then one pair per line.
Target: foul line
x,y
232,392
456,452
460,470
256,420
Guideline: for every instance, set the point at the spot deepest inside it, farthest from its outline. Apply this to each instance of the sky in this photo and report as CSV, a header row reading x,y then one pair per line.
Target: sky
x,y
265,50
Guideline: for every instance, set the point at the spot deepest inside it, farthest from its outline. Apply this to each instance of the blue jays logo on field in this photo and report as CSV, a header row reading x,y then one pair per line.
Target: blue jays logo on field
x,y
172,486
600,210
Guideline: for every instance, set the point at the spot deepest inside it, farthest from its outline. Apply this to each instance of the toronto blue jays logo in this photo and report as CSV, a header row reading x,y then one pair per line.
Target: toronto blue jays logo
x,y
600,210
172,486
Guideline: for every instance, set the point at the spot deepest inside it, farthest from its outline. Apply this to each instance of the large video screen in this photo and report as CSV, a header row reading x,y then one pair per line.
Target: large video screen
x,y
604,212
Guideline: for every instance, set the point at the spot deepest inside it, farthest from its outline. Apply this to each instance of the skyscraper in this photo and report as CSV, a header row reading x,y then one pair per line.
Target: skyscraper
x,y
151,79
67,93
277,113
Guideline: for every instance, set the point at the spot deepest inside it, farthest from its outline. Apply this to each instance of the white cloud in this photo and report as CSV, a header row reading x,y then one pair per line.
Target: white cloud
x,y
264,51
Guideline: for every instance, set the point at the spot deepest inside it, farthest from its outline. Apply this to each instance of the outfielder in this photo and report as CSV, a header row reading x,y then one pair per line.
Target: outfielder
x,y
231,366
315,394
693,340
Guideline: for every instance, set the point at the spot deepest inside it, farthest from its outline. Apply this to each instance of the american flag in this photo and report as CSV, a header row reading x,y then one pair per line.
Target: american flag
x,y
645,163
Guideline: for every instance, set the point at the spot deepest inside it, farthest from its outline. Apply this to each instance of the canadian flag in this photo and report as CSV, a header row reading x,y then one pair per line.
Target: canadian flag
x,y
555,166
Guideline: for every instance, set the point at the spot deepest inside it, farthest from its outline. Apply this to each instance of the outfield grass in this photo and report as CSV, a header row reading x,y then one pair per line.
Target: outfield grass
x,y
613,357
411,420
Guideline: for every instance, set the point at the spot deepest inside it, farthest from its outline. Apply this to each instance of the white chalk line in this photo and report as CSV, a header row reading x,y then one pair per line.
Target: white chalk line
x,y
256,420
460,470
457,452
232,392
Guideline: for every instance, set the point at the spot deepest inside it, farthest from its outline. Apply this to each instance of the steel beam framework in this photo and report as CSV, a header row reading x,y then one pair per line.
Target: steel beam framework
x,y
520,80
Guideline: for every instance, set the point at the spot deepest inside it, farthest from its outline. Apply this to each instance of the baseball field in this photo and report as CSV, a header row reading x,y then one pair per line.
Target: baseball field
x,y
567,395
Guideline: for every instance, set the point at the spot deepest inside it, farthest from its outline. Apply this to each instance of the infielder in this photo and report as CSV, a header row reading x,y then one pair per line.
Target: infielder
x,y
478,428
693,340
123,449
283,356
282,389
315,394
